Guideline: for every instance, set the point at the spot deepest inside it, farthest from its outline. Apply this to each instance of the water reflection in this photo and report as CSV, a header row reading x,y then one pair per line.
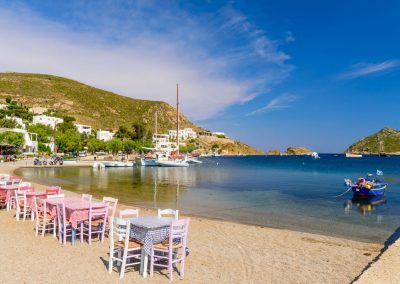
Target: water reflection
x,y
366,205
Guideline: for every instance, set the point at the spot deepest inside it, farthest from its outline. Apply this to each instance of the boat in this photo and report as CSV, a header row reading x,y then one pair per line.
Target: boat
x,y
193,160
365,187
118,164
173,163
315,155
352,155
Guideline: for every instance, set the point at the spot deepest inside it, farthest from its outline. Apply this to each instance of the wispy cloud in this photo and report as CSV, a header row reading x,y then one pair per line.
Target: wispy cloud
x,y
289,37
364,69
281,102
142,49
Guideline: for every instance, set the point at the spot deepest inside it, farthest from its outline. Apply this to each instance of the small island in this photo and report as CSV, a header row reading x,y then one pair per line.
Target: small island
x,y
290,151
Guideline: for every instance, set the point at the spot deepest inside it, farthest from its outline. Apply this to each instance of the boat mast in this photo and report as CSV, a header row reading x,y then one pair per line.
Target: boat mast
x,y
156,130
177,119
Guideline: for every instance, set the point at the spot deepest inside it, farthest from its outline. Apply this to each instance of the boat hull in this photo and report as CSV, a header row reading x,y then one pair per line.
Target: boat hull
x,y
118,165
173,164
147,162
378,189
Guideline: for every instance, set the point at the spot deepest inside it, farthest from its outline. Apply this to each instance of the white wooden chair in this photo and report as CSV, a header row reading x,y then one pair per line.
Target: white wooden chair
x,y
64,226
87,197
21,205
121,247
168,213
129,213
112,206
44,222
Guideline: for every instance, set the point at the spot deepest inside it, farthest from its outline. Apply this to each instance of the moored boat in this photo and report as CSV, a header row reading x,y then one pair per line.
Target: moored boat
x,y
116,164
352,155
370,186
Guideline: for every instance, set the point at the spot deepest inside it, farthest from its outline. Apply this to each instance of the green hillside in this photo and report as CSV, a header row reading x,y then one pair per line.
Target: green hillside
x,y
89,105
388,137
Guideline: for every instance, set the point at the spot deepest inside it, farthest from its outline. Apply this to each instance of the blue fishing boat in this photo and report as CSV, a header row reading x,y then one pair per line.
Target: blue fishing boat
x,y
369,186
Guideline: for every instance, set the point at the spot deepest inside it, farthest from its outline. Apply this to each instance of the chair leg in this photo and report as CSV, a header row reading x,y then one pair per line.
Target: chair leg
x,y
81,232
54,227
37,227
182,273
170,258
151,262
121,275
110,260
43,227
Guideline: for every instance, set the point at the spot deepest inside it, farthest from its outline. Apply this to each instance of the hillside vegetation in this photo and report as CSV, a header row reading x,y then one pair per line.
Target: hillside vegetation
x,y
89,105
388,137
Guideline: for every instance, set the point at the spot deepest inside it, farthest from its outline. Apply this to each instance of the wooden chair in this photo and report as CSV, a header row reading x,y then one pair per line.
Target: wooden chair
x,y
64,226
44,222
168,213
171,251
87,197
129,213
121,247
21,205
96,223
112,206
53,190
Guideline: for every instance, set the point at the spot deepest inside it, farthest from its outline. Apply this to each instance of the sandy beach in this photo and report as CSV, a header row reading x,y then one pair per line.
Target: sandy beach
x,y
220,252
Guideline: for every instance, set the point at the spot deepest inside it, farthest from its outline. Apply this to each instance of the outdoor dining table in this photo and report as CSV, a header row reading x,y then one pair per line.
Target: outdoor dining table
x,y
76,211
149,230
8,191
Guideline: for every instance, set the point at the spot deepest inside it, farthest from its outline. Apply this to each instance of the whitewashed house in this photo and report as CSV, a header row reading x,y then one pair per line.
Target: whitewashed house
x,y
83,129
104,135
18,120
47,120
184,134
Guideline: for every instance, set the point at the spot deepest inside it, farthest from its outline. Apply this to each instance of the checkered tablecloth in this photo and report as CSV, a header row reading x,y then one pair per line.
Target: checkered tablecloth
x,y
149,230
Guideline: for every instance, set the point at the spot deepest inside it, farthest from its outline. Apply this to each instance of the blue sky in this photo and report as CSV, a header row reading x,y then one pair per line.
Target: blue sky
x,y
273,74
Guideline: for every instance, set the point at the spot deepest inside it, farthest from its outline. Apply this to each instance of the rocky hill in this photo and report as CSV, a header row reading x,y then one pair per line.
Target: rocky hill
x,y
89,105
385,140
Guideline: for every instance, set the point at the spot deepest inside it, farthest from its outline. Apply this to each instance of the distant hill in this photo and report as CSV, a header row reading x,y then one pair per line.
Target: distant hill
x,y
386,140
99,108
89,105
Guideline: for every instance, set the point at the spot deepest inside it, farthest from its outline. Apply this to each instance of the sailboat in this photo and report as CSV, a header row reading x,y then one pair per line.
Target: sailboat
x,y
175,159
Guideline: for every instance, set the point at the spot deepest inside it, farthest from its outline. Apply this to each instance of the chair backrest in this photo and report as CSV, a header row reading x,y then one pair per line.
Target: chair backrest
x,y
112,205
178,232
54,196
120,230
97,213
61,219
53,190
168,213
16,180
87,197
20,198
128,213
40,206
26,186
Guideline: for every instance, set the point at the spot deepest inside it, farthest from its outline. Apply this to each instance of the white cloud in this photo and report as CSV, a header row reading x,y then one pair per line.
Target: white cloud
x,y
364,69
143,53
281,102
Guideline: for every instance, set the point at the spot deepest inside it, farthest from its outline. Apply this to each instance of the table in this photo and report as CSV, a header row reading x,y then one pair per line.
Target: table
x,y
149,230
7,190
76,211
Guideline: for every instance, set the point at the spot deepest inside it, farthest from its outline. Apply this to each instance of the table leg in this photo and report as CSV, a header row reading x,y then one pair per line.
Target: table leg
x,y
143,264
73,234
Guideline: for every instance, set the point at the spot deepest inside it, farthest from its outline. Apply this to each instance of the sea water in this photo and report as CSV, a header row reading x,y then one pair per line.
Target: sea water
x,y
288,192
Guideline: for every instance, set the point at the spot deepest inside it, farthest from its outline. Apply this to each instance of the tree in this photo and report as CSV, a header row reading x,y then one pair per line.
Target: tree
x,y
129,146
123,133
13,138
114,145
43,148
189,148
43,131
95,145
68,141
8,123
8,100
140,132
64,126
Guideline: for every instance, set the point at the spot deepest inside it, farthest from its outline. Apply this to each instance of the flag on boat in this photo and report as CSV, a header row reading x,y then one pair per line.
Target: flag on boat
x,y
379,173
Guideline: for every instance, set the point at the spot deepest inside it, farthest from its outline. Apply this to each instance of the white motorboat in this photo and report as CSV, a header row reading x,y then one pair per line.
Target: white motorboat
x,y
116,164
194,160
351,155
173,163
315,155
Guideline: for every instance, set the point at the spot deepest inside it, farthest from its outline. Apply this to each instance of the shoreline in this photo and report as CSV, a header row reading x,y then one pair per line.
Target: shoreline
x,y
315,257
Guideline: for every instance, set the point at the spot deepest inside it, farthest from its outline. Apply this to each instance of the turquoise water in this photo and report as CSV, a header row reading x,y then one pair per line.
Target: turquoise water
x,y
292,192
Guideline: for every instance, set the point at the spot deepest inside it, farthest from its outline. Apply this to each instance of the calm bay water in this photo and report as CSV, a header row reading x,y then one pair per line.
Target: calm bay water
x,y
292,192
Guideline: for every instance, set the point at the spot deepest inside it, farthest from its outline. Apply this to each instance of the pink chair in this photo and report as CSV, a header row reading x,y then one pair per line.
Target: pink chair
x,y
64,226
21,205
96,223
173,250
53,190
44,222
26,186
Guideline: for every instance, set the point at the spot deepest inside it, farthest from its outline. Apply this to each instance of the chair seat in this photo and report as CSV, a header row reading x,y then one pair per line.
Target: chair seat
x,y
96,223
165,246
131,244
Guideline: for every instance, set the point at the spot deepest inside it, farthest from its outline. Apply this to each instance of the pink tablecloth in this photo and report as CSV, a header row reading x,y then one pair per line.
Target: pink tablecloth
x,y
8,191
76,209
30,199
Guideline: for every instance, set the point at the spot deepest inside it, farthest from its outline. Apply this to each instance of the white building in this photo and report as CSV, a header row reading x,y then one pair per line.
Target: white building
x,y
83,129
47,120
31,143
18,120
3,106
104,135
161,142
217,133
184,134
